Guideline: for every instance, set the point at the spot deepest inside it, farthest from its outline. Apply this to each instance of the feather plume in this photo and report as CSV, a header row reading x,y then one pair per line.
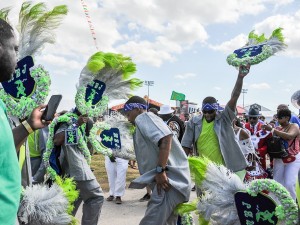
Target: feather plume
x,y
68,186
187,207
43,205
36,26
277,33
198,168
114,70
275,41
4,13
218,186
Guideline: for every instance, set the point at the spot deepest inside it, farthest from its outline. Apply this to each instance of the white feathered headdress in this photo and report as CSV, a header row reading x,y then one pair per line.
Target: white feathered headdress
x,y
114,70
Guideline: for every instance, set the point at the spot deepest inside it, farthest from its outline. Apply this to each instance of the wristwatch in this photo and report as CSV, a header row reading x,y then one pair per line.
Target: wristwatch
x,y
160,169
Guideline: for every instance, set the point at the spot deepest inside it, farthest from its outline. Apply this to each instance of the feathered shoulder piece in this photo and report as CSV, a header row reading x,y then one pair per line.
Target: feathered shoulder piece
x,y
106,76
226,200
258,48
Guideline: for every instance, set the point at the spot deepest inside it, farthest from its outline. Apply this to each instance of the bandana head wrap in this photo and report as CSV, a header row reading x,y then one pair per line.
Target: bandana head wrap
x,y
131,106
210,106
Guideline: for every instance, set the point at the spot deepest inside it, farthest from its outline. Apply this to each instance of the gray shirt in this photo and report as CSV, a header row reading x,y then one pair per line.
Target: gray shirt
x,y
73,162
229,146
149,130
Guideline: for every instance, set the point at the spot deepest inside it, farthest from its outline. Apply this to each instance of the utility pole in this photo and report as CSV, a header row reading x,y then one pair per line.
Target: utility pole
x,y
148,83
244,91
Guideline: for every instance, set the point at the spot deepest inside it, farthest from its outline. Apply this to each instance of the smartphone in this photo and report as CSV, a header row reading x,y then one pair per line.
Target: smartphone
x,y
51,107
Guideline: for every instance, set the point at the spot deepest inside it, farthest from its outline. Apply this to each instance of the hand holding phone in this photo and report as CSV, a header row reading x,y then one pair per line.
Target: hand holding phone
x,y
51,107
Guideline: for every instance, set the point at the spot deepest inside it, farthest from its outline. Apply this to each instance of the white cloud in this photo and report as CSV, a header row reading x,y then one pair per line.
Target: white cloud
x,y
60,62
291,30
173,27
231,45
260,86
217,88
153,53
186,32
132,26
185,76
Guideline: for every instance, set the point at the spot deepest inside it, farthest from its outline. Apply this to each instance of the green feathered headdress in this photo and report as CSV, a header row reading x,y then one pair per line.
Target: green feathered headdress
x,y
36,26
115,70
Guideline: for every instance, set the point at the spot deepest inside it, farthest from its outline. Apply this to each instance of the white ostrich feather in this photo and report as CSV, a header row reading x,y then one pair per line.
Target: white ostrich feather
x,y
43,205
116,88
217,202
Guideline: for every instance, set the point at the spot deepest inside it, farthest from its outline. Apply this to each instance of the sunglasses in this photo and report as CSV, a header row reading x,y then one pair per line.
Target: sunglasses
x,y
281,117
208,111
253,118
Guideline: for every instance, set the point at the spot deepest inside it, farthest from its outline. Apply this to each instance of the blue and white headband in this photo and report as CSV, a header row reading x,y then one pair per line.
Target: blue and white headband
x,y
210,106
131,106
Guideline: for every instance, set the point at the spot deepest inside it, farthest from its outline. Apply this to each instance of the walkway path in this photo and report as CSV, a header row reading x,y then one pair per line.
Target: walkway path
x,y
128,213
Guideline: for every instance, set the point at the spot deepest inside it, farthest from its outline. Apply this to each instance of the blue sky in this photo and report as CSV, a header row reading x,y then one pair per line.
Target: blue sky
x,y
180,45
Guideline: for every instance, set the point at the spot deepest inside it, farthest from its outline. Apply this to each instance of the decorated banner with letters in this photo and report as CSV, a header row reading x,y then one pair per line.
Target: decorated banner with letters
x,y
111,138
22,83
94,92
258,210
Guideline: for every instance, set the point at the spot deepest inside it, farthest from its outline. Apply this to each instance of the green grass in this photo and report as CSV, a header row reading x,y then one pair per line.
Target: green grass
x,y
98,164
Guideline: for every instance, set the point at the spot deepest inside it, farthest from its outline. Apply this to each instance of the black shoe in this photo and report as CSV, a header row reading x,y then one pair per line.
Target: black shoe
x,y
110,198
118,200
193,188
145,198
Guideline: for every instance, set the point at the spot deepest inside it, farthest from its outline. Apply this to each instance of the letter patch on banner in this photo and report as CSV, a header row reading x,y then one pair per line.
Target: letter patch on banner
x,y
111,138
71,137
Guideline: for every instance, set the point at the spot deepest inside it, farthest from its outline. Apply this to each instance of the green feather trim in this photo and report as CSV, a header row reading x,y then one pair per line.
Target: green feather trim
x,y
96,62
4,13
68,185
114,61
252,35
135,83
51,20
258,39
202,221
29,14
198,168
187,207
277,33
261,38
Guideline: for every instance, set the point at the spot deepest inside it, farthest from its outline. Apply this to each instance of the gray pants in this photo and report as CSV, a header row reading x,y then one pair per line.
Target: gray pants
x,y
160,208
92,196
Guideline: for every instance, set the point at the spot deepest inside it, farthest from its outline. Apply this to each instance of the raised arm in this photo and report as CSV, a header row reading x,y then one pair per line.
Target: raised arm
x,y
243,71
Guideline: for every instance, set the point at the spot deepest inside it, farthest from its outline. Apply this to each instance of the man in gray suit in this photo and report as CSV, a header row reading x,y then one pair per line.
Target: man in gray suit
x,y
162,164
211,133
75,165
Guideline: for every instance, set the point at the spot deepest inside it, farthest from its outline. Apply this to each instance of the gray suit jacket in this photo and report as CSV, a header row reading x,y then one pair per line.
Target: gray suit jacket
x,y
229,146
73,162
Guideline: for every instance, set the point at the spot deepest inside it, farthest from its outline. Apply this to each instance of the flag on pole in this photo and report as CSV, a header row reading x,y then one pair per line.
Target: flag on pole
x,y
177,96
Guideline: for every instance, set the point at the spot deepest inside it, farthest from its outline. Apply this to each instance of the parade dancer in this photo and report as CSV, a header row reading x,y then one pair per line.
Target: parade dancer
x,y
162,164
